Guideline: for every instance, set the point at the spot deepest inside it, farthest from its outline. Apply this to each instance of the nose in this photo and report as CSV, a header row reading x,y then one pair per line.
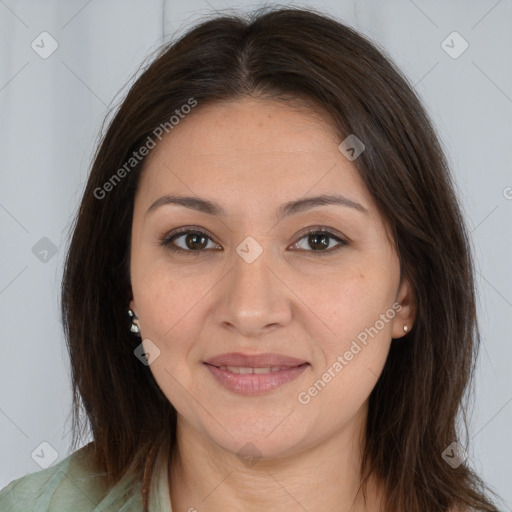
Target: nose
x,y
253,299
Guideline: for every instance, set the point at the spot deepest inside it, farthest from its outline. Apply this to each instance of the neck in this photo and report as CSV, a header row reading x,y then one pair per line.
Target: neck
x,y
326,477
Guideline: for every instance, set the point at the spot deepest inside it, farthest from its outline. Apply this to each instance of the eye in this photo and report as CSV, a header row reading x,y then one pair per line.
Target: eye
x,y
319,239
194,240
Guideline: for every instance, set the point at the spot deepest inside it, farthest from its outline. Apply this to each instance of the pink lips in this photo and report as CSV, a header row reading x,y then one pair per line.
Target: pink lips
x,y
283,369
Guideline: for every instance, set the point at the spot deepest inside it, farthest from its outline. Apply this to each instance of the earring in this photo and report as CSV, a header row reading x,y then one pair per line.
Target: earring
x,y
134,327
406,328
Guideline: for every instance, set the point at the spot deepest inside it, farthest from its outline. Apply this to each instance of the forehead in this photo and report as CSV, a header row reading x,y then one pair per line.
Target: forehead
x,y
252,148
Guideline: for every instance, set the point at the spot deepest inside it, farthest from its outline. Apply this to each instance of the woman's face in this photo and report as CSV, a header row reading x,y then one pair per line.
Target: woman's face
x,y
325,304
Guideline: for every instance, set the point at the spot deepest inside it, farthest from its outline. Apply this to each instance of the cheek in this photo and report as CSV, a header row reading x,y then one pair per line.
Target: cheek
x,y
166,308
351,360
171,309
165,299
348,302
357,309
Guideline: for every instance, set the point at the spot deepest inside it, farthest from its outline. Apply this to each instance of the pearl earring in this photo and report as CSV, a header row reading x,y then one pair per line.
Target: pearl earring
x,y
134,327
406,328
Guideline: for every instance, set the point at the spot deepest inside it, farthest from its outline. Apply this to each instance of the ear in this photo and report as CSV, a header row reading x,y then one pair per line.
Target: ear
x,y
407,313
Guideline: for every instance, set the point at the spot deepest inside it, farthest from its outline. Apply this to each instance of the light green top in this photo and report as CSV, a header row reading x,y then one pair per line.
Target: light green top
x,y
72,484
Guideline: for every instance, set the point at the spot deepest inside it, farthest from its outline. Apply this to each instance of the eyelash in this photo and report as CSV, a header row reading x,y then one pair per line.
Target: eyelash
x,y
167,241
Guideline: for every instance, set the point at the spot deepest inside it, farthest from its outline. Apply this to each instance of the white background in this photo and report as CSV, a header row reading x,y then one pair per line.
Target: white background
x,y
50,115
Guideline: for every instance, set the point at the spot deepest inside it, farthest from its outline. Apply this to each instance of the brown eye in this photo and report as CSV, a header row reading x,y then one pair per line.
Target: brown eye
x,y
189,240
320,241
195,241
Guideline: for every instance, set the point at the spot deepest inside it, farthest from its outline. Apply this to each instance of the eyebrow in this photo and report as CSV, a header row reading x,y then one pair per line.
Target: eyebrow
x,y
285,210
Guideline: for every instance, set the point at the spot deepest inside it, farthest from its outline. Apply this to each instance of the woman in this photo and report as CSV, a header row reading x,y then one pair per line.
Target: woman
x,y
268,296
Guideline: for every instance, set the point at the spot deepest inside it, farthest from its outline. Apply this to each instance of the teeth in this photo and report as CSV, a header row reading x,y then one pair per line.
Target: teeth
x,y
261,370
241,369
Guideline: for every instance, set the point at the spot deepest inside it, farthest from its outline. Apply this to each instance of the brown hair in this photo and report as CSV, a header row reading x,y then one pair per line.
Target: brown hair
x,y
281,54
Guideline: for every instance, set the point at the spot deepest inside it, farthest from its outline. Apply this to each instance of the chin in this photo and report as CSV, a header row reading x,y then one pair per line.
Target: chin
x,y
263,441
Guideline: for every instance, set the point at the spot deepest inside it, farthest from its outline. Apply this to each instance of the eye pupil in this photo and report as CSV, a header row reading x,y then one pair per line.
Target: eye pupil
x,y
194,236
316,244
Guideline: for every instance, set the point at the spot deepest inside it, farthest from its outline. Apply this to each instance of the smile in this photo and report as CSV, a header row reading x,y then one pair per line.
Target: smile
x,y
247,380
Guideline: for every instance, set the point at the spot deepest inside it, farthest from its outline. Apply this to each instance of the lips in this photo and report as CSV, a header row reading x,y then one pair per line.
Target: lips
x,y
254,374
267,360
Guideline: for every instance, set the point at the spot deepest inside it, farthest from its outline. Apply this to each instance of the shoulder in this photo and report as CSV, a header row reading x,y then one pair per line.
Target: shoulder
x,y
30,490
72,484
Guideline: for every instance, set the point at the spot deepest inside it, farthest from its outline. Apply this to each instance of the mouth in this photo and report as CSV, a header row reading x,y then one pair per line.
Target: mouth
x,y
254,374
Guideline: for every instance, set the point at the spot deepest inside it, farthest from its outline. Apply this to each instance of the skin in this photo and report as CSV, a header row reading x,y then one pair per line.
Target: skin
x,y
251,156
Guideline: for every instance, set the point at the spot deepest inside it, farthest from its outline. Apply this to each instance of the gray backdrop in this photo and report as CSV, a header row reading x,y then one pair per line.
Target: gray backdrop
x,y
62,64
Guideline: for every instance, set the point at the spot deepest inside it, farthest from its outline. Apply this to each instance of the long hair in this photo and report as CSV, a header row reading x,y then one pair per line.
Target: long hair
x,y
286,54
